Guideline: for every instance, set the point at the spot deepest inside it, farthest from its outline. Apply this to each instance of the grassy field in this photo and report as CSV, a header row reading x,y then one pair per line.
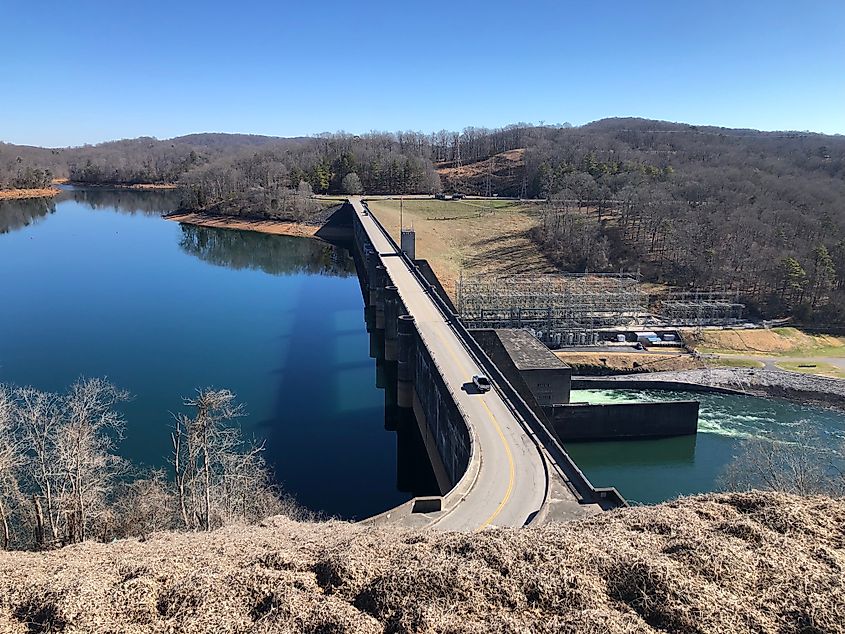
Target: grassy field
x,y
732,362
476,236
769,342
819,368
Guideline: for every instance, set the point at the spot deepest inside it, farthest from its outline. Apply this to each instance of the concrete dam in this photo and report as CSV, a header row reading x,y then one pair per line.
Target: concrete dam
x,y
496,463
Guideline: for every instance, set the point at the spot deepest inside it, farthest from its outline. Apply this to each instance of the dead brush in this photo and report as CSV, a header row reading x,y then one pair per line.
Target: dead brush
x,y
749,562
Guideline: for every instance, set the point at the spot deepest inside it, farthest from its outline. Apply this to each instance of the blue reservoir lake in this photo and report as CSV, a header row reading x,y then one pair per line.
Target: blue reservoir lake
x,y
96,283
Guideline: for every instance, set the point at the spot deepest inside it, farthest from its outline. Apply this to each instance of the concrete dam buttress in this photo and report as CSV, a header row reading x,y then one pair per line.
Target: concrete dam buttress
x,y
495,462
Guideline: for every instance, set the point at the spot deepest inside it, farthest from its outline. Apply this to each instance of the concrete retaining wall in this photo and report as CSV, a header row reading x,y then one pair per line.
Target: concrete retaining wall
x,y
617,421
584,383
442,426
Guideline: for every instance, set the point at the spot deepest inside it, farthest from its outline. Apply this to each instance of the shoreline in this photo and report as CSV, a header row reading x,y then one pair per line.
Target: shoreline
x,y
273,227
20,194
135,186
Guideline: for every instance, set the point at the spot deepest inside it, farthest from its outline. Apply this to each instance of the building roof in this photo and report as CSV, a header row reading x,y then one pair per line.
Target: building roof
x,y
528,352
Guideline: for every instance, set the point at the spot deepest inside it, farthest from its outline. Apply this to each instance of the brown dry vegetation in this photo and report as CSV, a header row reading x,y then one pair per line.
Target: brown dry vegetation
x,y
774,341
505,171
473,235
744,562
629,361
17,194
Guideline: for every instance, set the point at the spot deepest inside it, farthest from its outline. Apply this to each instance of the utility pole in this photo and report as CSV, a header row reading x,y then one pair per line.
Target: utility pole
x,y
488,188
401,209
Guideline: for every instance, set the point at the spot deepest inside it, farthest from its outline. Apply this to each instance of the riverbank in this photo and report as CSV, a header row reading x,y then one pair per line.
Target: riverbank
x,y
713,563
801,388
19,194
134,186
274,227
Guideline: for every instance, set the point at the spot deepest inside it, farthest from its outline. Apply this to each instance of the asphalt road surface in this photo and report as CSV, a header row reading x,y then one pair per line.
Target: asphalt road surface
x,y
512,480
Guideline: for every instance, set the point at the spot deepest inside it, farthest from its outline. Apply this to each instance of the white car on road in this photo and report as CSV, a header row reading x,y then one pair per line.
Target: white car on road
x,y
481,383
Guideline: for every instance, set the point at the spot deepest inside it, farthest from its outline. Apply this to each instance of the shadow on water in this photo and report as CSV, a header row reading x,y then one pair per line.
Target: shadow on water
x,y
325,400
340,411
639,453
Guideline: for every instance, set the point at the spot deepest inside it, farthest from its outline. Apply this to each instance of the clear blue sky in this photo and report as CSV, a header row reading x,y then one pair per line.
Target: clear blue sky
x,y
83,71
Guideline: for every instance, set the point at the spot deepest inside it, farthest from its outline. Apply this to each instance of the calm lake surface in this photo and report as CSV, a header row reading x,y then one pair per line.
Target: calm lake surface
x,y
656,470
97,284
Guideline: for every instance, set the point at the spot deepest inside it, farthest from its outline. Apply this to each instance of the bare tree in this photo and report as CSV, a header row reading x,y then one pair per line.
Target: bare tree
x,y
218,477
39,420
69,468
141,506
84,449
800,467
11,460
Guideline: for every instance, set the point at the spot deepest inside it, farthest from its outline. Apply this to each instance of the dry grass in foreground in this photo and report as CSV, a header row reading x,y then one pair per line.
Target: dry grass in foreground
x,y
18,194
720,563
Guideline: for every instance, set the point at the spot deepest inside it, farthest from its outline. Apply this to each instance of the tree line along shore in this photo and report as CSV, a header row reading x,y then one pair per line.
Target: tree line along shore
x,y
755,213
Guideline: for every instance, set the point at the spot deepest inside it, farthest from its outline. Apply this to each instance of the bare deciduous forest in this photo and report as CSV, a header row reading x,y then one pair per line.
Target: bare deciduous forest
x,y
761,214
63,482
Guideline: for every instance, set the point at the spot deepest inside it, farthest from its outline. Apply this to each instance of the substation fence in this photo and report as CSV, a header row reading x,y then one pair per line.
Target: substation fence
x,y
572,309
560,310
700,308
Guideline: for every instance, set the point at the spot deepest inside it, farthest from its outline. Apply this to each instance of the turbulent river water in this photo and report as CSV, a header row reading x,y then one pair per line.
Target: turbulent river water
x,y
96,283
657,470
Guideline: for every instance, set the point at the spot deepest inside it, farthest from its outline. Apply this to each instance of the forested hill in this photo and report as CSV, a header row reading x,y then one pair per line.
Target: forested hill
x,y
761,213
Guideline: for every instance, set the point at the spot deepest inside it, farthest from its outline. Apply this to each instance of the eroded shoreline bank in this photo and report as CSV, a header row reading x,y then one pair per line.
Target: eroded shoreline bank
x,y
274,227
20,194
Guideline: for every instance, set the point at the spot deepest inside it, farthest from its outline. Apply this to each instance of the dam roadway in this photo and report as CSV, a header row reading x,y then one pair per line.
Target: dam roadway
x,y
512,480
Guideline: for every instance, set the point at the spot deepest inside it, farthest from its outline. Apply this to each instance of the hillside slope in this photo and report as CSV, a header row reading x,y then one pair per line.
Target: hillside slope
x,y
719,563
503,172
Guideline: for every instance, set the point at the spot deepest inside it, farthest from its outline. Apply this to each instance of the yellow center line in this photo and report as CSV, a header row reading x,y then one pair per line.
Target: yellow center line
x,y
508,453
511,471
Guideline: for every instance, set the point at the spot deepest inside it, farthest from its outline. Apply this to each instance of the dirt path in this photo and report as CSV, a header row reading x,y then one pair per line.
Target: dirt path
x,y
831,367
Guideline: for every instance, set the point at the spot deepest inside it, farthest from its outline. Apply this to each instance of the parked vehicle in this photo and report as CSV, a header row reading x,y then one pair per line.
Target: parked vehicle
x,y
481,383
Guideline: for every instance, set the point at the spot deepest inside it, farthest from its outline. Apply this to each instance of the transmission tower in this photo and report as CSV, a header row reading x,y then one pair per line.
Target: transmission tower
x,y
488,189
458,150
